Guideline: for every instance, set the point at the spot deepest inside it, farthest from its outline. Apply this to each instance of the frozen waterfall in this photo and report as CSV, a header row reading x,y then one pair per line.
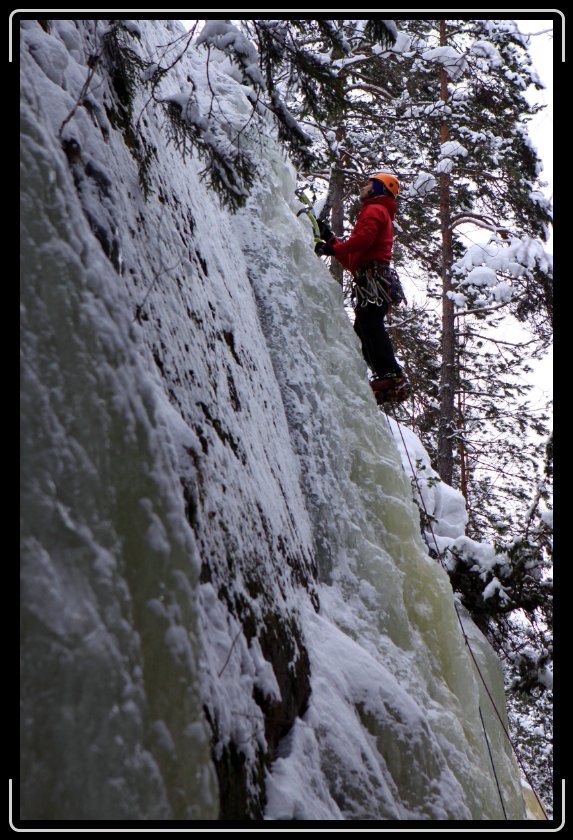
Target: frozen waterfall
x,y
228,610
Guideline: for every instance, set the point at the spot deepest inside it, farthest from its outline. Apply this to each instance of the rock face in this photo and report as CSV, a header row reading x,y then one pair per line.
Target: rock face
x,y
227,608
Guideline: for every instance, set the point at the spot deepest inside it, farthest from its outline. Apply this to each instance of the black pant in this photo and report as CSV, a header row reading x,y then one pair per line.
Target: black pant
x,y
376,345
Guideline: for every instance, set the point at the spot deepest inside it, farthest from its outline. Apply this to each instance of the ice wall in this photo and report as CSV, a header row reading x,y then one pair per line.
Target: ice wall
x,y
227,607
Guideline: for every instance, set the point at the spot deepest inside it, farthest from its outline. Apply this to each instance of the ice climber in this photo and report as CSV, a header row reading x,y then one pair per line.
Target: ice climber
x,y
366,254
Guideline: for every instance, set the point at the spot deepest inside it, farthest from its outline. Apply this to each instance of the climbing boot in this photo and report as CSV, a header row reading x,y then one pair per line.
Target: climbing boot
x,y
390,388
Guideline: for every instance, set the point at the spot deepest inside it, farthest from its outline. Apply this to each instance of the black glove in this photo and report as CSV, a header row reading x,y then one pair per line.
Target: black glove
x,y
323,249
325,232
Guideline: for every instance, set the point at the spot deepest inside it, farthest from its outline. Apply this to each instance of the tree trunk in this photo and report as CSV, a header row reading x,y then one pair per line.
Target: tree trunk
x,y
447,426
462,449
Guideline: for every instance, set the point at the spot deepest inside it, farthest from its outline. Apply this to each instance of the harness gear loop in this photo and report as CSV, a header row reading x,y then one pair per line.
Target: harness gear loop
x,y
378,284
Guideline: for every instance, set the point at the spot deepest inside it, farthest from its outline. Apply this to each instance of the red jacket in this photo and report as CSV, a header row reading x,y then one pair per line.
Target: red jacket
x,y
372,235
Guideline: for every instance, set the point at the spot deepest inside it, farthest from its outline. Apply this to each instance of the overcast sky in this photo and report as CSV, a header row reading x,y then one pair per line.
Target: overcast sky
x,y
541,48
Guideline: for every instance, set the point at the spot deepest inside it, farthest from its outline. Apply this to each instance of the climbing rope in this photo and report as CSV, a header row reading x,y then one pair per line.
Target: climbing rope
x,y
492,763
464,634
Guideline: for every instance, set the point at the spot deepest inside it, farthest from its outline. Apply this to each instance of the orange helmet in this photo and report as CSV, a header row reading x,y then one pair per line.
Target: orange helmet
x,y
389,181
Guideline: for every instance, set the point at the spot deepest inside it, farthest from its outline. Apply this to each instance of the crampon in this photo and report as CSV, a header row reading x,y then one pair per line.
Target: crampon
x,y
390,389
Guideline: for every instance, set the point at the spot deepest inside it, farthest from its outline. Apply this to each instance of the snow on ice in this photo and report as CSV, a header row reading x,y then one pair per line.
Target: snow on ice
x,y
209,454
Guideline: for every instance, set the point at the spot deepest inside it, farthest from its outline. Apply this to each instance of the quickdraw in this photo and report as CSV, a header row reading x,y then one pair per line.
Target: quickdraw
x,y
378,284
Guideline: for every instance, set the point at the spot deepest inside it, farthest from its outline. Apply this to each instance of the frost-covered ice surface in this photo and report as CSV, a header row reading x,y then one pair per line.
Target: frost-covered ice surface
x,y
199,479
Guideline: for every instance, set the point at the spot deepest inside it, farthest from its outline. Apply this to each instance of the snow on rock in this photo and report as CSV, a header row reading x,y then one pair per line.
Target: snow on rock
x,y
229,611
354,708
440,501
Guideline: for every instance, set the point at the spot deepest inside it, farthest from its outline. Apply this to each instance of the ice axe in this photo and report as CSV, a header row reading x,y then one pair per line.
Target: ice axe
x,y
309,210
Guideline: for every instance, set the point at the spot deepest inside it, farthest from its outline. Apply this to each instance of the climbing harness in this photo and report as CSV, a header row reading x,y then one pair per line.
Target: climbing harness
x,y
439,556
369,286
378,284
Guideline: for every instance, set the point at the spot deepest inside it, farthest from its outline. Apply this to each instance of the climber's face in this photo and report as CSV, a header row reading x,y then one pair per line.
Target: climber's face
x,y
365,190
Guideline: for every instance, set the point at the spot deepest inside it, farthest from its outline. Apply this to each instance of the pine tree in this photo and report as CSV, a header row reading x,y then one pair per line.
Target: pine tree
x,y
287,66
